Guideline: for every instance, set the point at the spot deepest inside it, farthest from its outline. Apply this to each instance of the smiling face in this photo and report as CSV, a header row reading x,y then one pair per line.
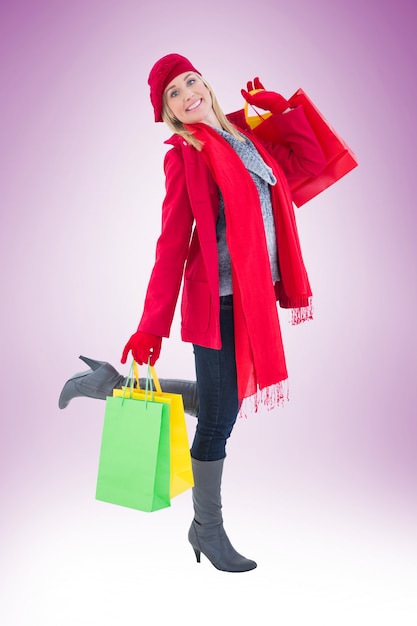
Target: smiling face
x,y
190,100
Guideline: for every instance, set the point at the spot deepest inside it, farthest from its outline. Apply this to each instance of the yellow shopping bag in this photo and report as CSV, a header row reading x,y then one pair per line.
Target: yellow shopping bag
x,y
253,120
181,474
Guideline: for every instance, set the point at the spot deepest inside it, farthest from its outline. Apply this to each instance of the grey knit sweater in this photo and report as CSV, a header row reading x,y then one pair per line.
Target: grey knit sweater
x,y
263,177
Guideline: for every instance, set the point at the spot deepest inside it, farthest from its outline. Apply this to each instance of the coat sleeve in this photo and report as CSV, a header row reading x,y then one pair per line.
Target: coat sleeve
x,y
171,250
291,142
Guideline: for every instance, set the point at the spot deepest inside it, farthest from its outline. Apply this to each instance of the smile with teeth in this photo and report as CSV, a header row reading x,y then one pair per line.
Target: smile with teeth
x,y
194,105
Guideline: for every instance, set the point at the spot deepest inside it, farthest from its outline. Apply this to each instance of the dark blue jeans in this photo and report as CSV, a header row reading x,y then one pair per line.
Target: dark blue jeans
x,y
217,391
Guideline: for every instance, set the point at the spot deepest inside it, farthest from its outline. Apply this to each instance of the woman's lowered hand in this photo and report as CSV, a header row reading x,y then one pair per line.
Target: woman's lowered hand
x,y
142,346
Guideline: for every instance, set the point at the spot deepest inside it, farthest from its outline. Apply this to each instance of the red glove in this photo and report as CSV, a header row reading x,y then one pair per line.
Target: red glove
x,y
142,347
267,100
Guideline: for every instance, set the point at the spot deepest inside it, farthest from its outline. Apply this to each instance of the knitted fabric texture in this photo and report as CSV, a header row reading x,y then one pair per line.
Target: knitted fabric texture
x,y
263,177
162,73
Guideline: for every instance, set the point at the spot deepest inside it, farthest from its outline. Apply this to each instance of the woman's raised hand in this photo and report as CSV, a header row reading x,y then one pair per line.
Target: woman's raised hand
x,y
256,84
267,100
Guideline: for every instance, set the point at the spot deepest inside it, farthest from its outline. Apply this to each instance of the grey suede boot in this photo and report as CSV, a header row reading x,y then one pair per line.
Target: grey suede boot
x,y
100,381
207,534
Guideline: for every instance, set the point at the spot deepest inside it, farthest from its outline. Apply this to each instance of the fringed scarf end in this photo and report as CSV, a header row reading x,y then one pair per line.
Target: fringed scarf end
x,y
269,397
302,314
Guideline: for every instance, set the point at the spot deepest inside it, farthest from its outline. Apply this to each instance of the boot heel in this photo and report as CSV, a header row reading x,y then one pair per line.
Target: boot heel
x,y
92,362
197,554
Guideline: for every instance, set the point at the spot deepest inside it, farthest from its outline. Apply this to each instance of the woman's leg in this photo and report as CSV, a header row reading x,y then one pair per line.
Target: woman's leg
x,y
102,378
218,409
217,391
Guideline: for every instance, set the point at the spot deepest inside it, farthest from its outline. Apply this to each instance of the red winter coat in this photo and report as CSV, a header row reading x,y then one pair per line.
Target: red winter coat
x,y
192,199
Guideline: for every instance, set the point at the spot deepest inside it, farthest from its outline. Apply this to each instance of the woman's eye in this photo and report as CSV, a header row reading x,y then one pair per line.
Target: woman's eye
x,y
191,81
174,93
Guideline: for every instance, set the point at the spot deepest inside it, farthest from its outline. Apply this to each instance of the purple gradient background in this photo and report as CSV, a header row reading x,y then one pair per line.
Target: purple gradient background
x,y
81,189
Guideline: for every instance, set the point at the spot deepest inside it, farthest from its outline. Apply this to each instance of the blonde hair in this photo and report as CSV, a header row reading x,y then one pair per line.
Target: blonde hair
x,y
178,127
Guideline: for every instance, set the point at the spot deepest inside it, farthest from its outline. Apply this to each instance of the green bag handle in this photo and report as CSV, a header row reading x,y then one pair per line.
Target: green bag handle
x,y
134,376
153,373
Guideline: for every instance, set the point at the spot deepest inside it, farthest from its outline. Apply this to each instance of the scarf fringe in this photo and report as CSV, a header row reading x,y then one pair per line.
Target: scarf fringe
x,y
269,398
302,314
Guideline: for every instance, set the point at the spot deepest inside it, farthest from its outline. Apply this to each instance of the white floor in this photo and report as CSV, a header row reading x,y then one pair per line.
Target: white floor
x,y
324,557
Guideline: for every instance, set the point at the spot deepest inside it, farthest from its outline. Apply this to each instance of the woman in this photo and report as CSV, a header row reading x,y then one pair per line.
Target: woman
x,y
228,231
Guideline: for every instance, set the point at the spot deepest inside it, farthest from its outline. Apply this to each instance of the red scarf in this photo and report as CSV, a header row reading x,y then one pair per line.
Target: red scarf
x,y
260,359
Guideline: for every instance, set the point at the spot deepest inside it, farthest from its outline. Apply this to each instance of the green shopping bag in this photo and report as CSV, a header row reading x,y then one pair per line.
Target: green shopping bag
x,y
181,478
134,464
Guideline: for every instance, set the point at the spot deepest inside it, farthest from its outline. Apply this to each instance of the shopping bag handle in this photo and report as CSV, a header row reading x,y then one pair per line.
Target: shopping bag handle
x,y
254,120
134,375
151,371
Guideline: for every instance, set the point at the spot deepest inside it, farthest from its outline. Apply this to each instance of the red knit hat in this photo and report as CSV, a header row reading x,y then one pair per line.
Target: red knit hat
x,y
165,70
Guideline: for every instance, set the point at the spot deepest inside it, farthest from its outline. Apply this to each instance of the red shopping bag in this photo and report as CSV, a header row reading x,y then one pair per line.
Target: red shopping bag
x,y
339,156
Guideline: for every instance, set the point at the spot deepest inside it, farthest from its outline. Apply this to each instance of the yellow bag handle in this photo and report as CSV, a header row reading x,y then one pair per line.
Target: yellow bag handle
x,y
153,374
254,120
133,374
134,381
